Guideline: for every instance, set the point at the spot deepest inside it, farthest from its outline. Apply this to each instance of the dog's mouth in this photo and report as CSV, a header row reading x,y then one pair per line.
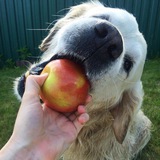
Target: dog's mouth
x,y
36,70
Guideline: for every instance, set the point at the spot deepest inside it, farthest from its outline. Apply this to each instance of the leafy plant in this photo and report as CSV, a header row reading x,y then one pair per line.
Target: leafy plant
x,y
24,53
9,63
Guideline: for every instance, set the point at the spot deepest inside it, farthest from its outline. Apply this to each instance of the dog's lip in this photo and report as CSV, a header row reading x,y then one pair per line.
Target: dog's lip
x,y
72,58
77,60
36,70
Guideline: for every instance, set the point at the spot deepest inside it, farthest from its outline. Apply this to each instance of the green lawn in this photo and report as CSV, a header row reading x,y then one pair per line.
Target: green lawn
x,y
8,103
151,106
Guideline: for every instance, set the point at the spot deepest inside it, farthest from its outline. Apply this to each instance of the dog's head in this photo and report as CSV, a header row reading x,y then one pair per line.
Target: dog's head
x,y
107,43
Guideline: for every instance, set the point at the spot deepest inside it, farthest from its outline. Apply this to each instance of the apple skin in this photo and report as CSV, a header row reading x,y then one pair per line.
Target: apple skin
x,y
66,86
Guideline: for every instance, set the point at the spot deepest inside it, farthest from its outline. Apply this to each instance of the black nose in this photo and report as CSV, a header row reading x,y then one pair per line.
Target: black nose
x,y
109,37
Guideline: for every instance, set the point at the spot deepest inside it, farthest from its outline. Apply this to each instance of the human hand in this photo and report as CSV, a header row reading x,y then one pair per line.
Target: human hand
x,y
43,132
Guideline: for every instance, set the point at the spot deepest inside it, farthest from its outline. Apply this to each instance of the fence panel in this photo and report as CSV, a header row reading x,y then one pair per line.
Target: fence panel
x,y
26,22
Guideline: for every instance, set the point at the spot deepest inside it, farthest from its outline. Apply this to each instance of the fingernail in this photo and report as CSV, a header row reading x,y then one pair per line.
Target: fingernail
x,y
84,118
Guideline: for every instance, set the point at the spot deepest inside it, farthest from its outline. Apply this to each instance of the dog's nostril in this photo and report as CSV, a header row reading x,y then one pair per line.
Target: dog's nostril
x,y
114,51
101,30
108,39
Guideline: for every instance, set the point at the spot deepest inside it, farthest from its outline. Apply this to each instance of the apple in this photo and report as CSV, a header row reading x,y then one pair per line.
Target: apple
x,y
66,86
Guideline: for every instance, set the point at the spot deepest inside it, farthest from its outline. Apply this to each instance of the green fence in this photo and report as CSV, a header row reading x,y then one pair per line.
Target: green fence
x,y
24,23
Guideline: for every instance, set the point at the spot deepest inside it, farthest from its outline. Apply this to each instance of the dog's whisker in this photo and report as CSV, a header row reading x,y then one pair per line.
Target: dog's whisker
x,y
48,23
12,78
37,29
110,97
109,4
124,80
51,24
59,16
65,9
54,15
28,66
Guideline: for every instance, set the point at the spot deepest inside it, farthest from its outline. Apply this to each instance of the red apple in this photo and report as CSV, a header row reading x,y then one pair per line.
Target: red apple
x,y
66,86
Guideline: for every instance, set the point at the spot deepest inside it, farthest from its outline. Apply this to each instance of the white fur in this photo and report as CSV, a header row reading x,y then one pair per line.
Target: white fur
x,y
117,128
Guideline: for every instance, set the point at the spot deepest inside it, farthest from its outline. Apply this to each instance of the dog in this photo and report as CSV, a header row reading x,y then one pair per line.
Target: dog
x,y
107,43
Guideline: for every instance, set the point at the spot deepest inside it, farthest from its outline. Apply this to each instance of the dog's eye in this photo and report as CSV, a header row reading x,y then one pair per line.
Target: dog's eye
x,y
128,64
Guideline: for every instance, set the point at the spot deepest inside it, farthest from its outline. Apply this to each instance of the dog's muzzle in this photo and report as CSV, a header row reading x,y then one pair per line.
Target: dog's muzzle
x,y
92,42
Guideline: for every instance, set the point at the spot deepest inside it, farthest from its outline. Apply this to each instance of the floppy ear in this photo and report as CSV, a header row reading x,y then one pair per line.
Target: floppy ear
x,y
123,112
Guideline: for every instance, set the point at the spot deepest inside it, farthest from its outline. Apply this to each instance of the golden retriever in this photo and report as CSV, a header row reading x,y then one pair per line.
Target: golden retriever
x,y
108,44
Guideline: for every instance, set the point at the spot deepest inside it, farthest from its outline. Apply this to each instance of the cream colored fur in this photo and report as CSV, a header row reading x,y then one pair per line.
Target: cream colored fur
x,y
117,129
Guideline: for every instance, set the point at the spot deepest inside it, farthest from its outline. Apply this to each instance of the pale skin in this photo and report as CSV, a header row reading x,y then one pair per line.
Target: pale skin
x,y
39,132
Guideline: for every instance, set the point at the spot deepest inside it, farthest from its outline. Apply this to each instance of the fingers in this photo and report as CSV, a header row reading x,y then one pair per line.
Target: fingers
x,y
34,82
80,109
89,98
81,119
32,88
83,116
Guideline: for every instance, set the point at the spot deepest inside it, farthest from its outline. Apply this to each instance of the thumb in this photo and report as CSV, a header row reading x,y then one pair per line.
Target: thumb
x,y
32,87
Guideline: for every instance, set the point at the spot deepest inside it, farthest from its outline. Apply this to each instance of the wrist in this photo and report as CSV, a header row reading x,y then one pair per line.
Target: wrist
x,y
14,150
19,149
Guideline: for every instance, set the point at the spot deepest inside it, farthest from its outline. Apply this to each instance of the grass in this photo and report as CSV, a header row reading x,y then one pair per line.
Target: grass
x,y
8,103
151,106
